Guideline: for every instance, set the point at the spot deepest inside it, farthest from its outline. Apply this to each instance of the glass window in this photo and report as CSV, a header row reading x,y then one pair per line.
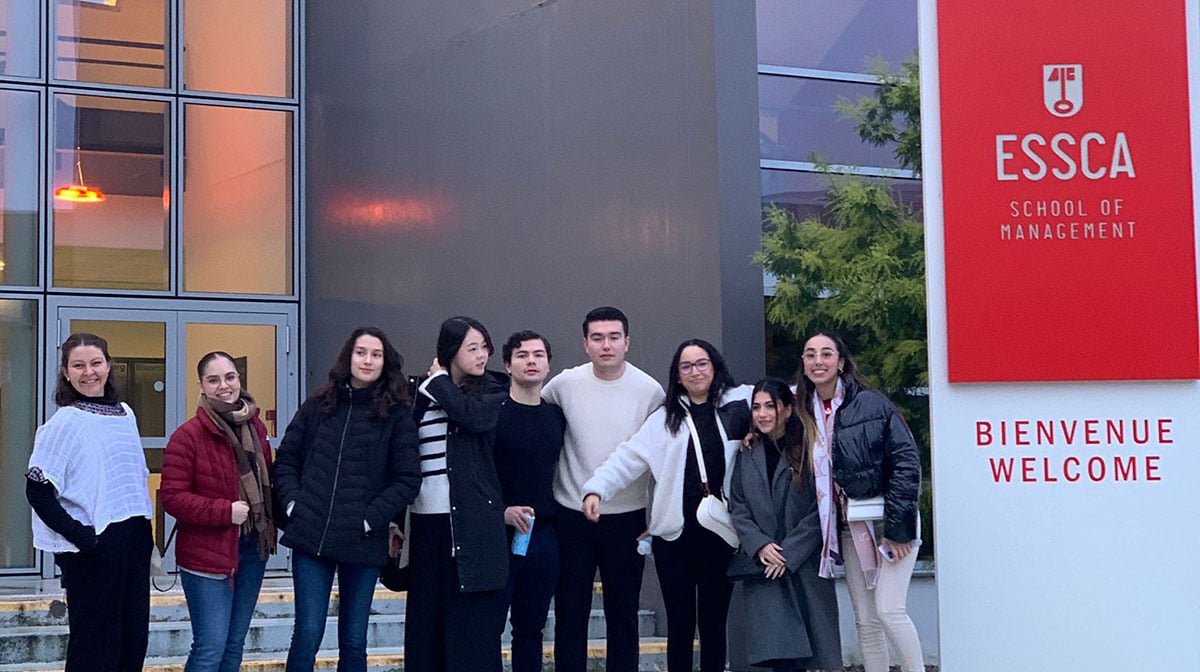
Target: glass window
x,y
18,188
20,28
803,193
18,420
238,47
111,42
111,193
836,34
797,122
237,200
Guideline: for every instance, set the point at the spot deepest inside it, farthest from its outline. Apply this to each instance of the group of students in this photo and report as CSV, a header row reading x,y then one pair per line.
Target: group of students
x,y
487,490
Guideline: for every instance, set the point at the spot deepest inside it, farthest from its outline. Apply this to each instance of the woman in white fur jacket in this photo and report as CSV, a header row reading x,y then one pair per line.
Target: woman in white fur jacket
x,y
691,561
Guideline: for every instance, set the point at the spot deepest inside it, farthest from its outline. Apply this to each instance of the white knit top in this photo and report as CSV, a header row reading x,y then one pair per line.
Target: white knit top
x,y
600,415
96,464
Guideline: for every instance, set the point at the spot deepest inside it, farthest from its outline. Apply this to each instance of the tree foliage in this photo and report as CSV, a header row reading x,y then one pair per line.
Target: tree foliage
x,y
862,273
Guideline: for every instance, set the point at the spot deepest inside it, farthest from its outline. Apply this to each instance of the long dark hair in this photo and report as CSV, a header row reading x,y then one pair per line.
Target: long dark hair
x,y
722,380
799,431
65,393
849,372
450,338
390,390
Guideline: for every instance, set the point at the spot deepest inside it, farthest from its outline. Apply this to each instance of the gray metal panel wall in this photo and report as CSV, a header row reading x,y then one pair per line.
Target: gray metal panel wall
x,y
523,162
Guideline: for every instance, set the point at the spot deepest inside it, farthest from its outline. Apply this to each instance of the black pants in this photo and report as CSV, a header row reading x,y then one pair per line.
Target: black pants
x,y
532,579
695,589
108,600
583,547
447,630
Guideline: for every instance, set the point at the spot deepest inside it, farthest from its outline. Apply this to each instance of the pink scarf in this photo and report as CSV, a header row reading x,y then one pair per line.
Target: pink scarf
x,y
861,532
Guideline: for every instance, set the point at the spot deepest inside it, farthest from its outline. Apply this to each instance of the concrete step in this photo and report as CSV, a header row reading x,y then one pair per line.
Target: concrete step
x,y
47,643
652,658
273,602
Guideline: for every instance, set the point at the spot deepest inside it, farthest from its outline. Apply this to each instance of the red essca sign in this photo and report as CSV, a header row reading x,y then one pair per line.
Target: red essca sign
x,y
1067,191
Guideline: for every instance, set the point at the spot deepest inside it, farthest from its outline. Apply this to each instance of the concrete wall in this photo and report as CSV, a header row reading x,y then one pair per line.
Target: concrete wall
x,y
523,162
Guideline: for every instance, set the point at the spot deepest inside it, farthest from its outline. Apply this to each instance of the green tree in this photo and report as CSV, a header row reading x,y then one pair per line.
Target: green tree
x,y
861,271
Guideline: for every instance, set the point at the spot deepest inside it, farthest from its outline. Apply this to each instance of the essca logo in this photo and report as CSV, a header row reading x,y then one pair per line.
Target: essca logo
x,y
1062,89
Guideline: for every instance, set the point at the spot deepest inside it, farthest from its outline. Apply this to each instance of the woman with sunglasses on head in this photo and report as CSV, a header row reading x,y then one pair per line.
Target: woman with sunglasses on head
x,y
704,413
789,612
347,467
863,437
87,484
457,545
217,485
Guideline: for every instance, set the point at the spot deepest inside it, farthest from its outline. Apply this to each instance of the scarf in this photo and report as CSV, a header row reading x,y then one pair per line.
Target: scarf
x,y
861,532
254,482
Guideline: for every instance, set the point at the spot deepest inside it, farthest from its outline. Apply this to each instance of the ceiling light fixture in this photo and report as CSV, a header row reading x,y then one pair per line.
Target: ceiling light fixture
x,y
79,193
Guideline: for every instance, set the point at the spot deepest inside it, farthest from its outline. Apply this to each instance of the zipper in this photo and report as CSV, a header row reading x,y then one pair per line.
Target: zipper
x,y
337,470
449,489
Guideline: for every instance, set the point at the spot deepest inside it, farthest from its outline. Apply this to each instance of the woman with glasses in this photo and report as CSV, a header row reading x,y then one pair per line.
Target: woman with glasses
x,y
216,483
704,413
864,443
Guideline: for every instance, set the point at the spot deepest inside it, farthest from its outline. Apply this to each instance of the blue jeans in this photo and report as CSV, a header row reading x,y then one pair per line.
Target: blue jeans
x,y
313,579
221,610
532,579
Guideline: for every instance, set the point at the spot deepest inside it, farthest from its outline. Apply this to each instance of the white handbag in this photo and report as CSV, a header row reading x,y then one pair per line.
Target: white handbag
x,y
712,513
864,510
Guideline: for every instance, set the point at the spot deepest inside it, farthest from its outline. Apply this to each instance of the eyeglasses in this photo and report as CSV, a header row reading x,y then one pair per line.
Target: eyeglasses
x,y
700,365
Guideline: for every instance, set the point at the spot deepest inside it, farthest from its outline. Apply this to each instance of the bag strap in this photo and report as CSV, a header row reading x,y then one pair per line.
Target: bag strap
x,y
175,577
699,454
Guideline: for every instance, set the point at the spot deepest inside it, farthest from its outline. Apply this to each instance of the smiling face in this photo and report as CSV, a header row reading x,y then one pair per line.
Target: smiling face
x,y
220,381
87,370
769,415
471,358
366,361
822,363
695,372
529,364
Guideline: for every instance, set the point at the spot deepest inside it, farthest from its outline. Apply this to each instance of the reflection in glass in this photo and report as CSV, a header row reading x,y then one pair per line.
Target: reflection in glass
x,y
18,188
19,23
803,194
111,42
118,147
839,35
253,349
18,420
238,47
797,122
139,368
237,200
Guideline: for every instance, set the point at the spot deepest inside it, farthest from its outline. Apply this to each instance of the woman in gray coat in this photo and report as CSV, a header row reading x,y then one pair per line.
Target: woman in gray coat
x,y
790,612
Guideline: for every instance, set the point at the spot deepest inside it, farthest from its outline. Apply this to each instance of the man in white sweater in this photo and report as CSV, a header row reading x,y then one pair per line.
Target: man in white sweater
x,y
605,402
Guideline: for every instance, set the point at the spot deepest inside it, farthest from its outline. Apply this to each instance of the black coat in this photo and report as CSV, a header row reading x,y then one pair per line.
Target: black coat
x,y
874,453
342,469
476,505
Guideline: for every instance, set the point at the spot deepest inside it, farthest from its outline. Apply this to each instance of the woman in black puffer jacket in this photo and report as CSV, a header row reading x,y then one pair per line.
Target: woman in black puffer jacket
x,y
865,450
347,467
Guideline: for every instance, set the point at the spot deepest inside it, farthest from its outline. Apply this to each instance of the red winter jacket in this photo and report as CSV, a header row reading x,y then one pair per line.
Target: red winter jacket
x,y
199,486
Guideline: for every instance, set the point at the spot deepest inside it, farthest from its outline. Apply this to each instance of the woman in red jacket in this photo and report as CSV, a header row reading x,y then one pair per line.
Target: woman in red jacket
x,y
216,483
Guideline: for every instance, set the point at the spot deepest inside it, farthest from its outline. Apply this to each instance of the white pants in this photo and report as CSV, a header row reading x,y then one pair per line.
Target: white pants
x,y
881,614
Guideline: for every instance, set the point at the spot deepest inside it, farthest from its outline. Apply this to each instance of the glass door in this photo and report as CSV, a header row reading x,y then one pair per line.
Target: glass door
x,y
154,354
